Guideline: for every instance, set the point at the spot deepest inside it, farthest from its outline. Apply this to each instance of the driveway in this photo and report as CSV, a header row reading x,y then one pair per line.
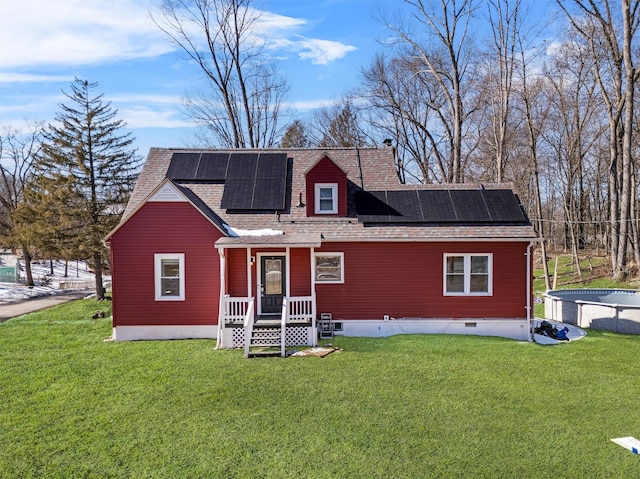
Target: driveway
x,y
19,308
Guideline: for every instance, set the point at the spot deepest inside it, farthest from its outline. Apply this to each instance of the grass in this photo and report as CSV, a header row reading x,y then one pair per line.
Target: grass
x,y
73,405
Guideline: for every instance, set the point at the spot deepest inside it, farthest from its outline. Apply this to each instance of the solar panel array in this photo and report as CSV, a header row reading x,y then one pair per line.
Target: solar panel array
x,y
439,206
252,181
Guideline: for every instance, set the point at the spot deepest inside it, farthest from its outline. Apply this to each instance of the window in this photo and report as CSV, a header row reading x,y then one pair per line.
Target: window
x,y
326,198
169,275
467,274
329,267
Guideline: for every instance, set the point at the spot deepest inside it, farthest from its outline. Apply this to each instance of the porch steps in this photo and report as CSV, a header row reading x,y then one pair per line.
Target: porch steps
x,y
264,340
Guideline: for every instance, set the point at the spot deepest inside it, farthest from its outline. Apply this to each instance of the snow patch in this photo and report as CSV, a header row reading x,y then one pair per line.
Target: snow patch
x,y
235,232
78,277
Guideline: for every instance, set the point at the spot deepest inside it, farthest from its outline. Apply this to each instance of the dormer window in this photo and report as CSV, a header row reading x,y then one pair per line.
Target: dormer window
x,y
326,198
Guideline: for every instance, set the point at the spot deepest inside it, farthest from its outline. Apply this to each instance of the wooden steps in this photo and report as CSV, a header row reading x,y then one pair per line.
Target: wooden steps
x,y
265,341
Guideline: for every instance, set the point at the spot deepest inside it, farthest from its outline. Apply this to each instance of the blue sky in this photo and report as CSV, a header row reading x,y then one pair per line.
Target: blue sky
x,y
320,45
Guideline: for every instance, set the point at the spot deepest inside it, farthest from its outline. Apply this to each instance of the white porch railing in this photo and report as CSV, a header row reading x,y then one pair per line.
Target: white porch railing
x,y
299,309
297,312
248,328
235,309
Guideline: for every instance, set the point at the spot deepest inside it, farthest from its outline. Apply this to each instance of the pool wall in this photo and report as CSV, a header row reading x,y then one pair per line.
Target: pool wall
x,y
615,310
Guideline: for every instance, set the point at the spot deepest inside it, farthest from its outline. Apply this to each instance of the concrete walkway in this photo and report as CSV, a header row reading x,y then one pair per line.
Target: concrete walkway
x,y
12,310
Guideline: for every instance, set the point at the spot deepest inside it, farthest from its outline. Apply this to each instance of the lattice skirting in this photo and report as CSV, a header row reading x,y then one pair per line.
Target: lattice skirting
x,y
295,336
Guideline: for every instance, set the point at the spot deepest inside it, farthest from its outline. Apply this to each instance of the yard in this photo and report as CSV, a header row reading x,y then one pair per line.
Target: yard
x,y
73,405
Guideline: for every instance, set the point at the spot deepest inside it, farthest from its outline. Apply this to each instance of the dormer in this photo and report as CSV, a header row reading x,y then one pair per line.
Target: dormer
x,y
326,187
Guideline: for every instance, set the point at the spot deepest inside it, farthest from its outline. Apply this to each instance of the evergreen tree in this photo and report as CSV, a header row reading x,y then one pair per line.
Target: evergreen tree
x,y
83,178
295,136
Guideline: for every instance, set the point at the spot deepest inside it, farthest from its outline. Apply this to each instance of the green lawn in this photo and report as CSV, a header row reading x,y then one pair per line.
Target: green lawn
x,y
73,405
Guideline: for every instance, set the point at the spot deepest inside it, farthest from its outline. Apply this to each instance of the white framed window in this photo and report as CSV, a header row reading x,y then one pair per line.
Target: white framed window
x,y
329,267
169,276
326,198
468,274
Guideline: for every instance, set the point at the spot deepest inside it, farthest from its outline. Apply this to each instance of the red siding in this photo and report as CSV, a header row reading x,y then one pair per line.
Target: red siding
x,y
326,171
300,270
165,228
406,280
237,272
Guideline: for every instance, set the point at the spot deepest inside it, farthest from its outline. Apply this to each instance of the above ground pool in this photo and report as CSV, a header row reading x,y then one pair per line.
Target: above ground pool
x,y
616,310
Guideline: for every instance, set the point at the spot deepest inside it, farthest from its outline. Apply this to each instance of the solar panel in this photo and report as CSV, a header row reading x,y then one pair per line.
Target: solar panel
x,y
406,205
272,165
183,166
212,167
372,207
242,165
269,194
469,206
437,206
503,206
237,194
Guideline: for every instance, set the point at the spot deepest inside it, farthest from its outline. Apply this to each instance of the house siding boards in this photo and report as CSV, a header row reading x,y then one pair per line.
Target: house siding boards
x,y
237,272
389,269
159,227
300,270
406,280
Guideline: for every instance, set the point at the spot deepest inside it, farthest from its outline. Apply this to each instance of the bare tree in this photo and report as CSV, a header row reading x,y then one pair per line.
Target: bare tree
x,y
404,105
446,59
609,30
18,152
242,105
505,21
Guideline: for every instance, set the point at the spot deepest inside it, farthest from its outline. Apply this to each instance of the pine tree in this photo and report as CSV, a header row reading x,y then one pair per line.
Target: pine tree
x,y
84,176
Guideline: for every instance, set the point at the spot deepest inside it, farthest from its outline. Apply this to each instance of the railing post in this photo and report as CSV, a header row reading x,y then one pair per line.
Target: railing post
x,y
283,326
248,327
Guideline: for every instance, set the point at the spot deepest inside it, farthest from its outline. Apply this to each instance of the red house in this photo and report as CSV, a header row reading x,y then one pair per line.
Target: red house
x,y
256,246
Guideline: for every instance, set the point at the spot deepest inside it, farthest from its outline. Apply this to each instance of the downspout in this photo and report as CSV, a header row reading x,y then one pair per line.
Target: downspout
x,y
219,342
529,292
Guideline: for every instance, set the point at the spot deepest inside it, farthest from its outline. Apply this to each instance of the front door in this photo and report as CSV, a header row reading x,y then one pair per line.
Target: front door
x,y
272,283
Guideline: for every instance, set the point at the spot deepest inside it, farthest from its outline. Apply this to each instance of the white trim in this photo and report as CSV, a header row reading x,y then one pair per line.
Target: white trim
x,y
167,193
317,254
287,267
136,333
139,206
259,275
440,239
249,273
219,344
467,275
516,328
334,198
157,272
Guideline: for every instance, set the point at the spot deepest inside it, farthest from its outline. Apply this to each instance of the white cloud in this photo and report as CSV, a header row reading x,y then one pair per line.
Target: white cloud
x,y
309,104
144,117
76,32
322,52
32,78
58,33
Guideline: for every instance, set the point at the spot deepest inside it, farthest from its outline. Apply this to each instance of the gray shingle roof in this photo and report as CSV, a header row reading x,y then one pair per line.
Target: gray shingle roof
x,y
367,168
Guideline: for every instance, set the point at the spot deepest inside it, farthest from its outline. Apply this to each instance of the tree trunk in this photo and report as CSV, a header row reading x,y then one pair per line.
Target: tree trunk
x,y
97,266
27,265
